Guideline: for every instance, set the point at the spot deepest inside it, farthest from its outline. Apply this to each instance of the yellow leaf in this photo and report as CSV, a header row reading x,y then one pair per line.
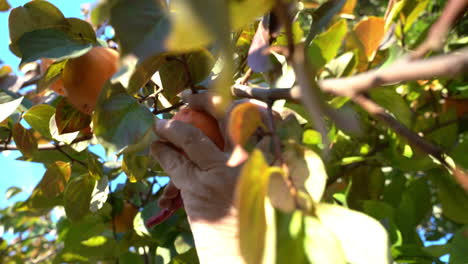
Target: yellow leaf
x,y
245,118
370,32
348,7
256,215
362,238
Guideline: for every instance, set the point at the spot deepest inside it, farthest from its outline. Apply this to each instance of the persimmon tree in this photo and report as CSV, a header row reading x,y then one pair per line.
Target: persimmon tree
x,y
367,141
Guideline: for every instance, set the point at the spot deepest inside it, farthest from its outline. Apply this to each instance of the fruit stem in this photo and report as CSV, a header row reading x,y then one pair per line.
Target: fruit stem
x,y
168,109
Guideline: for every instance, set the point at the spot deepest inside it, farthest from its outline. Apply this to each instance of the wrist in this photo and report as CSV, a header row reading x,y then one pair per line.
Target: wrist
x,y
217,241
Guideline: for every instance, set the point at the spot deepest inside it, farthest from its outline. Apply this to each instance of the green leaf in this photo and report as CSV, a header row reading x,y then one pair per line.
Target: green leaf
x,y
385,214
321,244
6,109
363,239
24,140
95,167
367,183
453,198
38,118
101,12
208,20
245,12
64,137
53,73
323,16
50,43
459,247
459,152
77,196
33,16
306,171
189,257
420,193
55,178
291,234
411,11
140,26
445,136
135,166
119,120
94,241
255,212
412,253
395,52
81,31
394,12
290,129
48,191
183,242
393,102
174,76
130,258
100,194
140,74
311,137
438,251
69,119
12,191
325,46
342,65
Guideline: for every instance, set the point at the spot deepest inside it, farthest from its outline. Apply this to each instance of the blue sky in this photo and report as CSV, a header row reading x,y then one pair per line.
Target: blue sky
x,y
18,173
27,174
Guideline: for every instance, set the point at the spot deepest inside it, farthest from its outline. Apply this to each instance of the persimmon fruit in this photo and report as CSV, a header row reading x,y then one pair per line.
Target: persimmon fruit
x,y
123,221
56,86
459,104
84,76
203,121
209,126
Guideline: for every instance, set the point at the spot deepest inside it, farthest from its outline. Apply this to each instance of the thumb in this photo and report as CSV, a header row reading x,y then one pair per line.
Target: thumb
x,y
177,166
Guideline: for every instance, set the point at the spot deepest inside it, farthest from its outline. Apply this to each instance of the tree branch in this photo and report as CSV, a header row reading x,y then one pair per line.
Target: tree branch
x,y
413,139
448,65
266,95
48,146
353,87
165,110
454,9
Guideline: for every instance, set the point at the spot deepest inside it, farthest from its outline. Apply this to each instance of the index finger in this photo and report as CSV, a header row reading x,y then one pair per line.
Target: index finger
x,y
197,146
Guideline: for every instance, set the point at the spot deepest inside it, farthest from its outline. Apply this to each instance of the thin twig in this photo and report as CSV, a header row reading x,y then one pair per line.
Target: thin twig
x,y
47,146
246,77
282,12
148,194
448,65
275,137
454,9
413,139
31,81
168,109
443,124
266,95
59,148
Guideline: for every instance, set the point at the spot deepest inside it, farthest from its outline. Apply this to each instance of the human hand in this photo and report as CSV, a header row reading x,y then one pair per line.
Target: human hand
x,y
198,169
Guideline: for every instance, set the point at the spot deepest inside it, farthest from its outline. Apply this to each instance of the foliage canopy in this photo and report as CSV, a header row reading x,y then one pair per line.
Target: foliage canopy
x,y
368,174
